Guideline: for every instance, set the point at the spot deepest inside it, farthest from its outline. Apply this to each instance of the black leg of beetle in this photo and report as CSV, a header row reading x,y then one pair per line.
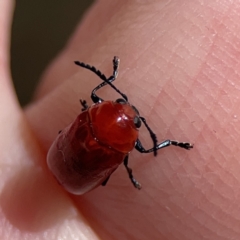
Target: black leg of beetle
x,y
166,143
94,97
59,131
105,181
152,134
135,183
84,105
116,62
92,68
106,80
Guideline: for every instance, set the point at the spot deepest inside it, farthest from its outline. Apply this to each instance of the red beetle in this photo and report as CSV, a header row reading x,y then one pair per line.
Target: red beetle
x,y
88,151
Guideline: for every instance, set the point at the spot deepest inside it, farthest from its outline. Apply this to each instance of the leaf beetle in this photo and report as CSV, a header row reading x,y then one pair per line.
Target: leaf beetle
x,y
89,150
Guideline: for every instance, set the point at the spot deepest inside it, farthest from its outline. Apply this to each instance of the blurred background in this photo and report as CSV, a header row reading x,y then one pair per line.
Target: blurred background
x,y
40,30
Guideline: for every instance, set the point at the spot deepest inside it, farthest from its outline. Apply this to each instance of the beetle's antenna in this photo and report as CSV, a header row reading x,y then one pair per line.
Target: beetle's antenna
x,y
152,134
102,76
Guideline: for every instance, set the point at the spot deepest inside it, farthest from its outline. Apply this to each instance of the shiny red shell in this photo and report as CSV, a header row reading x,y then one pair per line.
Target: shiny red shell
x,y
90,149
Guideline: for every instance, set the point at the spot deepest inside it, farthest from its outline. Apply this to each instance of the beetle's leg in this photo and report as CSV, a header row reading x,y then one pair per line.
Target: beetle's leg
x,y
152,135
135,183
163,144
116,62
105,181
94,97
59,131
106,80
84,105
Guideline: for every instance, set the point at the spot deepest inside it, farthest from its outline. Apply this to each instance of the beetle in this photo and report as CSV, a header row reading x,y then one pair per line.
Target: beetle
x,y
89,150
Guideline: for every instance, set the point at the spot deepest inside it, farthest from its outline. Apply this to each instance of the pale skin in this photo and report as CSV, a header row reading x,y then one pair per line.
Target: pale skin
x,y
180,68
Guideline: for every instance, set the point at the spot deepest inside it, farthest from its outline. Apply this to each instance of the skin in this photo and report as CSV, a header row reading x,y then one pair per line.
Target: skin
x,y
180,68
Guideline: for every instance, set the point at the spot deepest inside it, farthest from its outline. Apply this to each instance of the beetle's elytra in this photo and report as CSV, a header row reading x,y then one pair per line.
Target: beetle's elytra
x,y
89,150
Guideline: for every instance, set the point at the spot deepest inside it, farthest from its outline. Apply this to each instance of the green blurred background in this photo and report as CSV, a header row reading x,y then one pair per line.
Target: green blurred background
x,y
40,29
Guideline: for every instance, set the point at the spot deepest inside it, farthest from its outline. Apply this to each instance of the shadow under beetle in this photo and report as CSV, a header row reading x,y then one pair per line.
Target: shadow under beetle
x,y
89,150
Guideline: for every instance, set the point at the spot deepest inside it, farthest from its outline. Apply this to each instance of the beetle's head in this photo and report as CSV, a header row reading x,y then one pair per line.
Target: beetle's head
x,y
136,119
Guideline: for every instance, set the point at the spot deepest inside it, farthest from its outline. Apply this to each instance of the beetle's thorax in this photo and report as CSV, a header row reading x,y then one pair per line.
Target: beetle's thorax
x,y
112,125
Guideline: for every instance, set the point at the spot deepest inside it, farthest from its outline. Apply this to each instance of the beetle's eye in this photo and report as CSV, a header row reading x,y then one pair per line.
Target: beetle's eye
x,y
137,122
121,101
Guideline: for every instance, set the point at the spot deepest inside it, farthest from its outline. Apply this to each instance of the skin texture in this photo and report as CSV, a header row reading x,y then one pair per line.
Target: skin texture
x,y
180,68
